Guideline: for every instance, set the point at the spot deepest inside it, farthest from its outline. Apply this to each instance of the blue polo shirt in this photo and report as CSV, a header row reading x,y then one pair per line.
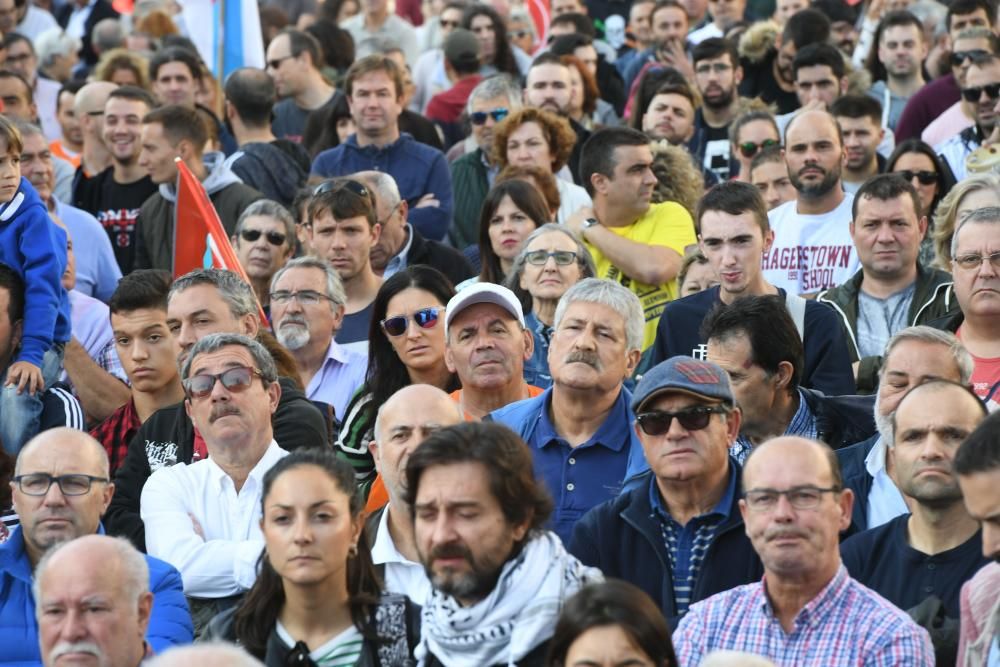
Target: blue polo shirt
x,y
582,477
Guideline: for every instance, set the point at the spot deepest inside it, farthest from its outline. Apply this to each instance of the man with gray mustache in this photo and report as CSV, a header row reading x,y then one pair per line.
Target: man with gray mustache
x,y
579,429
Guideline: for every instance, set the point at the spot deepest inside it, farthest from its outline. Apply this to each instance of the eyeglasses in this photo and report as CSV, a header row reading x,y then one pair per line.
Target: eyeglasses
x,y
236,380
749,148
39,483
925,177
274,238
800,497
425,318
959,57
972,262
391,212
276,62
540,257
479,117
718,68
306,297
975,92
657,422
448,24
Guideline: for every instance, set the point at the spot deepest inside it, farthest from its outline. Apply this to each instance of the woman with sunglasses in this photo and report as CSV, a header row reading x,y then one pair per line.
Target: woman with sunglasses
x,y
917,163
512,210
405,346
750,133
317,599
552,261
533,137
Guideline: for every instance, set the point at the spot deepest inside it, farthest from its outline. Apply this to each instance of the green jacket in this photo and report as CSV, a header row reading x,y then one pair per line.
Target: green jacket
x,y
470,184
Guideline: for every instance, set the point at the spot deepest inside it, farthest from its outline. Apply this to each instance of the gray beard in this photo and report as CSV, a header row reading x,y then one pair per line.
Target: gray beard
x,y
293,338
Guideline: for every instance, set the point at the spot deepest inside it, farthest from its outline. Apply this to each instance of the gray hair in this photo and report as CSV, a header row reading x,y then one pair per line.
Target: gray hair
x,y
262,359
135,572
334,288
237,294
268,208
616,297
495,86
583,258
523,16
52,43
985,215
384,185
28,129
107,34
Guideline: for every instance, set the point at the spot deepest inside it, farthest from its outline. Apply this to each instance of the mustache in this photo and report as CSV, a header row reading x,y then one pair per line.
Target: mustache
x,y
221,410
288,320
451,550
585,357
487,356
778,533
815,167
62,648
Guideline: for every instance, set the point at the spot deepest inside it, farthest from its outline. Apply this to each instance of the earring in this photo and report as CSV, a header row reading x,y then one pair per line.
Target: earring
x,y
353,551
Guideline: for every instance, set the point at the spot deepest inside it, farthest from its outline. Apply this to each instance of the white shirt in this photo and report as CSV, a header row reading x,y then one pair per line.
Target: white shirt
x,y
402,575
810,252
46,99
36,21
572,198
224,563
885,502
705,32
76,25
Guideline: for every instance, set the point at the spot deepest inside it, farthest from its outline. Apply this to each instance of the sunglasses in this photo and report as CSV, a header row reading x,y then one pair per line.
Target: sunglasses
x,y
924,177
236,380
274,238
959,57
425,318
540,257
974,93
479,117
349,184
749,149
658,422
448,24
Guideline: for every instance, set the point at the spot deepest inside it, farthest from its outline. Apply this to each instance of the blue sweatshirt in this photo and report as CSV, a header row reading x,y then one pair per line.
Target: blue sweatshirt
x,y
32,245
417,169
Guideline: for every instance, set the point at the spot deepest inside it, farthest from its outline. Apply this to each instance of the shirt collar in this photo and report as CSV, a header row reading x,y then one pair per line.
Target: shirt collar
x,y
613,433
875,460
827,600
221,478
398,261
803,421
383,548
721,509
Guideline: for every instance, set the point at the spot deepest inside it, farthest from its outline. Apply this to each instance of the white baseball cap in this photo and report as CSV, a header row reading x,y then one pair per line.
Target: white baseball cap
x,y
483,293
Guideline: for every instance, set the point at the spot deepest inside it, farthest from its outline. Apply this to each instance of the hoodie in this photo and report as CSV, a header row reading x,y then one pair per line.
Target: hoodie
x,y
277,169
155,224
36,249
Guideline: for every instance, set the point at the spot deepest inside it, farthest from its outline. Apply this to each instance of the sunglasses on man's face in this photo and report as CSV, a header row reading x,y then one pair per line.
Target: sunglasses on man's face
x,y
657,422
973,93
749,148
236,380
274,238
425,318
479,117
923,177
448,24
959,57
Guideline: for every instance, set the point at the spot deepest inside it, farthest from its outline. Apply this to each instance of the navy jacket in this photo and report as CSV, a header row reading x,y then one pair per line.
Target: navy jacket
x,y
623,538
417,168
841,420
857,479
827,362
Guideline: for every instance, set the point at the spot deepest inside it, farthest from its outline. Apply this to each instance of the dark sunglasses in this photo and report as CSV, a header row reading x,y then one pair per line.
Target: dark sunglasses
x,y
959,57
975,92
925,177
274,238
349,184
479,117
658,422
749,148
449,24
236,380
425,318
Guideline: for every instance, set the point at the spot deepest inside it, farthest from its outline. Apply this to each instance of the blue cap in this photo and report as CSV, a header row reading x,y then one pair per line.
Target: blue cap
x,y
685,375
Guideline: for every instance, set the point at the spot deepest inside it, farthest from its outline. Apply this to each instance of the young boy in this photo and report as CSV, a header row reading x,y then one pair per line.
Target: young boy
x,y
36,249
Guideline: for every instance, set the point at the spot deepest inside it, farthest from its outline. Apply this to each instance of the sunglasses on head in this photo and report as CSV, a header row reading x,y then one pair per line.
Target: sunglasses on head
x,y
657,422
425,318
479,117
973,93
274,238
924,177
959,57
235,380
349,184
749,148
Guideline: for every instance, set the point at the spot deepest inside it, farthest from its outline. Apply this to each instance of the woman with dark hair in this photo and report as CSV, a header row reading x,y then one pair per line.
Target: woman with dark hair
x,y
611,623
496,53
328,127
338,48
917,162
317,597
512,210
405,346
586,106
337,11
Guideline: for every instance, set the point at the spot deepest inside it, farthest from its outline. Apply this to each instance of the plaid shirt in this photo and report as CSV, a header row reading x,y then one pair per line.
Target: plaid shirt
x,y
116,432
803,424
845,624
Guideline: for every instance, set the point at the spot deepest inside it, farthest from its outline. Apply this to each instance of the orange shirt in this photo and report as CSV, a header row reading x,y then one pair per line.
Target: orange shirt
x,y
457,397
58,150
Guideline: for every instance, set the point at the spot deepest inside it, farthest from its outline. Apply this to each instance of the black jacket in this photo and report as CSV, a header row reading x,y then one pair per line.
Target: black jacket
x,y
276,169
841,420
445,259
167,438
856,478
102,10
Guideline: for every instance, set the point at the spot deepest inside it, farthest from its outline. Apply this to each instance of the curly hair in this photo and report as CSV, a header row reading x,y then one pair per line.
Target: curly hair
x,y
947,211
678,180
119,59
556,130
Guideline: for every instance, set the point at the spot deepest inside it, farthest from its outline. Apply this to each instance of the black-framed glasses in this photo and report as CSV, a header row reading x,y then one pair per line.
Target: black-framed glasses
x,y
799,497
540,257
749,148
274,238
236,380
275,63
922,176
974,261
959,57
425,318
306,297
657,422
39,483
973,93
479,117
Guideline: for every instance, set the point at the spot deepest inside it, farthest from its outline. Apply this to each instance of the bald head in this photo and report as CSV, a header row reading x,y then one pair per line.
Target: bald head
x,y
92,97
813,455
804,123
73,446
216,654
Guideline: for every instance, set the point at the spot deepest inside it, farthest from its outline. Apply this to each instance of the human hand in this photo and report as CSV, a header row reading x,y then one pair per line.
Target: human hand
x,y
427,200
25,375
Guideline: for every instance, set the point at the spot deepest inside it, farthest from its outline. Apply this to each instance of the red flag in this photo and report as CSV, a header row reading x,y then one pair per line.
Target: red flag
x,y
539,12
200,240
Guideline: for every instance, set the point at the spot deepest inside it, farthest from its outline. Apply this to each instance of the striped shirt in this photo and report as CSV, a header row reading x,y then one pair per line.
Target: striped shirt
x,y
344,650
845,624
803,424
688,544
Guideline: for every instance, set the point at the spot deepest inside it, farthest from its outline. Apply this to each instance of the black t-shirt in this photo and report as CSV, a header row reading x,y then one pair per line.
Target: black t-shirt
x,y
715,157
116,207
759,81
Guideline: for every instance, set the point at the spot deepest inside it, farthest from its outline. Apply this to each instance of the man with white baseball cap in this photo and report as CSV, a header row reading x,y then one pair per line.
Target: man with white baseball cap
x,y
487,345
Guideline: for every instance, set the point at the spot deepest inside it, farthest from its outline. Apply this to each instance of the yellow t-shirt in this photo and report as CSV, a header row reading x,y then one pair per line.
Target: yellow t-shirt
x,y
667,224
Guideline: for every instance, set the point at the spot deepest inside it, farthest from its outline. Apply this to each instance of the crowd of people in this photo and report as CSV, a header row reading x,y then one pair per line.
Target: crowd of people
x,y
575,333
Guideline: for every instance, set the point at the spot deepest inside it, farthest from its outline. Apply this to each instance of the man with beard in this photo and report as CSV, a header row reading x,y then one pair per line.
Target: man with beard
x,y
717,74
902,48
920,561
981,91
547,86
812,247
668,45
859,118
307,309
499,580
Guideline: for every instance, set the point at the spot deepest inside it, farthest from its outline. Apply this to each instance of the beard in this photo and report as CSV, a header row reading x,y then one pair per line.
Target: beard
x,y
830,180
475,584
883,423
293,337
721,102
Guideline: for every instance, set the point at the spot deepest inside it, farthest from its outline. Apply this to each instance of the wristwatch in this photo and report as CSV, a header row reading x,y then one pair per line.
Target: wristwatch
x,y
588,223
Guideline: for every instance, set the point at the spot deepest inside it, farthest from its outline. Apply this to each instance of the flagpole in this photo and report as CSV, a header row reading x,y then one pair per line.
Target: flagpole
x,y
220,56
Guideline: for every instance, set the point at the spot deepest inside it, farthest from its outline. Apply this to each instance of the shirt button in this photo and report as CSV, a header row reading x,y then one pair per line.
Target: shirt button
x,y
931,566
572,461
570,486
928,589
